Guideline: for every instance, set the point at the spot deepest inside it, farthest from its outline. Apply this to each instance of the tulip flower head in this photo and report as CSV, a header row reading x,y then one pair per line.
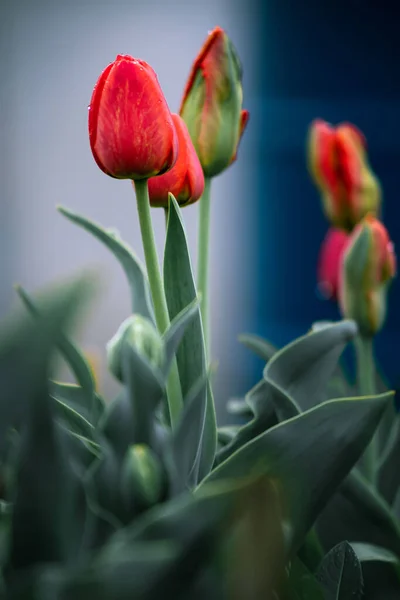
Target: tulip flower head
x,y
131,132
368,267
338,163
186,179
212,103
329,262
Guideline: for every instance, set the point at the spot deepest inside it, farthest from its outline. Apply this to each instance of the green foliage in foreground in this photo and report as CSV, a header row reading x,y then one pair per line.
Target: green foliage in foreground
x,y
101,499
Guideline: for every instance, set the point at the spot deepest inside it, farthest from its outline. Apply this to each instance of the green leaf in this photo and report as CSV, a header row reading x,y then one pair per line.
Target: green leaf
x,y
388,468
76,399
138,283
44,524
340,574
173,336
259,399
371,553
303,368
72,419
239,407
227,433
340,429
301,583
187,439
358,512
180,291
258,345
145,391
26,346
70,352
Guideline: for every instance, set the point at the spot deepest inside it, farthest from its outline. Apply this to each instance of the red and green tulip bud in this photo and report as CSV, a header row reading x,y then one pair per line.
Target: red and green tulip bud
x,y
186,179
131,132
212,103
140,333
369,265
338,163
329,262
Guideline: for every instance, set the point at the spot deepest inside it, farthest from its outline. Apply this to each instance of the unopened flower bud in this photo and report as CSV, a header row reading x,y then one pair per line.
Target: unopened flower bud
x,y
142,477
329,262
140,333
212,103
338,163
369,265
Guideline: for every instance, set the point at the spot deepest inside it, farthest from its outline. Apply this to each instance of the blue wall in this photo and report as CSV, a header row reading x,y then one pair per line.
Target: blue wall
x,y
338,61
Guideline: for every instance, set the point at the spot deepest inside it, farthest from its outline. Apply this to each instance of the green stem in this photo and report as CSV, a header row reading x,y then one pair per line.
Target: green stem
x,y
366,387
174,392
203,253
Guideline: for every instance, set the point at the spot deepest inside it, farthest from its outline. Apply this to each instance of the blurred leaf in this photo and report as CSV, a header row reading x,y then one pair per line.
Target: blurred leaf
x,y
145,390
358,512
301,583
227,433
175,332
187,439
340,574
258,345
76,399
340,429
180,291
371,553
117,424
72,355
72,419
140,293
388,467
256,554
239,407
44,524
26,346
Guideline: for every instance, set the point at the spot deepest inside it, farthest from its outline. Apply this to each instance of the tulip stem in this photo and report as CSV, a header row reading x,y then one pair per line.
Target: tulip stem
x,y
366,387
174,392
203,261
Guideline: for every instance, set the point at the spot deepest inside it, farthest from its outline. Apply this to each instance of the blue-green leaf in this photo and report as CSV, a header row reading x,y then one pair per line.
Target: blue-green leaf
x,y
180,291
340,429
138,283
340,574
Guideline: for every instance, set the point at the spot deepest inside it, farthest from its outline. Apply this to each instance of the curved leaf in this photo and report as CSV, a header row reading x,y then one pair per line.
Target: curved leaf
x,y
140,293
258,345
303,368
70,352
340,574
180,291
340,429
76,398
173,336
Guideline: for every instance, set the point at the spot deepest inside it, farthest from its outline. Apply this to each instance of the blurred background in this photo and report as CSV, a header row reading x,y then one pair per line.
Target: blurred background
x,y
335,60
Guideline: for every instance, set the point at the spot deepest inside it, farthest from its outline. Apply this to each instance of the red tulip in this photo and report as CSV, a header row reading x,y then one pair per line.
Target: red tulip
x,y
212,103
185,180
338,163
368,266
131,132
329,262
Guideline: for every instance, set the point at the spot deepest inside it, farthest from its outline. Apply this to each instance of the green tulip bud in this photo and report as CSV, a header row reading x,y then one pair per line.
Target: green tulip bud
x,y
142,476
141,334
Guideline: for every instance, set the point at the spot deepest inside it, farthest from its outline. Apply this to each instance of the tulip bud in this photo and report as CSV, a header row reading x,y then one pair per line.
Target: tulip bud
x,y
142,477
369,265
212,103
186,179
338,163
140,333
329,262
131,132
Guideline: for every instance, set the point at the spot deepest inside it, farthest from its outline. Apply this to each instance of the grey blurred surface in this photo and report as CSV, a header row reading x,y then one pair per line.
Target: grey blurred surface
x,y
51,55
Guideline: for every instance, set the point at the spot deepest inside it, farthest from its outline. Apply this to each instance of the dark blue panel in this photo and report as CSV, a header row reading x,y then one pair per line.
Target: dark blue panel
x,y
339,61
